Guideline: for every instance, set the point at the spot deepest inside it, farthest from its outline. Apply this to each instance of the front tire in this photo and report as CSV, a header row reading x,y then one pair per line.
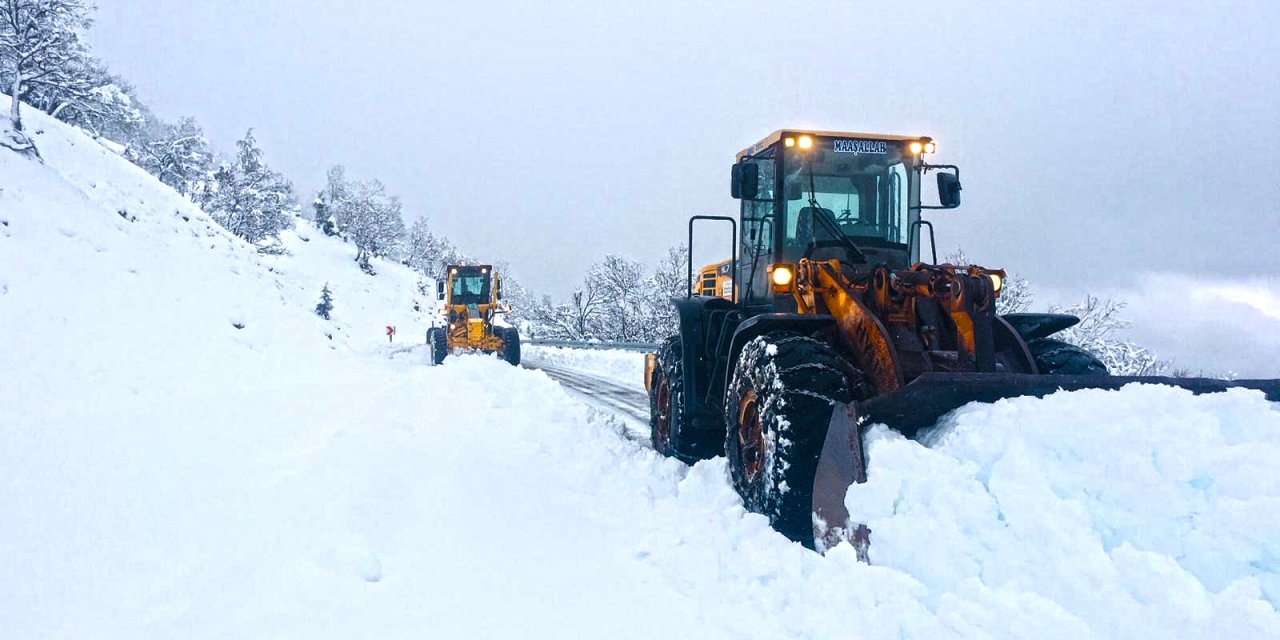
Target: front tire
x,y
1055,357
777,410
510,344
438,343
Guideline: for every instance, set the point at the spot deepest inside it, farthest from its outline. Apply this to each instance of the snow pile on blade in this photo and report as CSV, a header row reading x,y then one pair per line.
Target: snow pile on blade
x,y
1147,512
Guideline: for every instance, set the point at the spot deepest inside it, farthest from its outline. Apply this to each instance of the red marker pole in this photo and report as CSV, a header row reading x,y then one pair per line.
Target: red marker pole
x,y
391,332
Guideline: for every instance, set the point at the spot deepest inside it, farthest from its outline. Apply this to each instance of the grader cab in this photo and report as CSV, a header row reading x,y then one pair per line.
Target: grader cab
x,y
716,280
471,301
832,322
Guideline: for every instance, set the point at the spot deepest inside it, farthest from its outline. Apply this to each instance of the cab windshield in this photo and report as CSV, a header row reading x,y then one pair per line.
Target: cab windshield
x,y
862,186
470,289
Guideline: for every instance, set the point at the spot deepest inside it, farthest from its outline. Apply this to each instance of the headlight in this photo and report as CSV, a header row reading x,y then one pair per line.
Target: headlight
x,y
782,275
996,281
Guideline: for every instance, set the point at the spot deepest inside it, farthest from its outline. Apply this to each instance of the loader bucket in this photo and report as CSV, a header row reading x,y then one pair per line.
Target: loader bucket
x,y
919,404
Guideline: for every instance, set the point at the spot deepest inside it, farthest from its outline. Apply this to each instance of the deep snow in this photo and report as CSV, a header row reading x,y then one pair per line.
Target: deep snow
x,y
166,474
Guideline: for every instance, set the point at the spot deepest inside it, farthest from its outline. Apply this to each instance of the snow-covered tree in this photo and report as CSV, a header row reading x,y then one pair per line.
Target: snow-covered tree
x,y
247,197
84,93
621,286
363,214
41,48
1099,333
326,302
617,302
670,280
579,319
177,154
429,253
372,220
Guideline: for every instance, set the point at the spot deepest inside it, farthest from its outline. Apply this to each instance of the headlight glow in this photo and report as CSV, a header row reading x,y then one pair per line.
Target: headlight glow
x,y
916,147
805,142
782,275
996,281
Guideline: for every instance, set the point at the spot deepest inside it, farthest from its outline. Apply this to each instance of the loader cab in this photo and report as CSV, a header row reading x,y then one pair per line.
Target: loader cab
x,y
812,194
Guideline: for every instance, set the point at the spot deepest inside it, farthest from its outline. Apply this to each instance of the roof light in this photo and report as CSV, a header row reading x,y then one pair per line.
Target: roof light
x,y
930,147
916,147
790,142
806,142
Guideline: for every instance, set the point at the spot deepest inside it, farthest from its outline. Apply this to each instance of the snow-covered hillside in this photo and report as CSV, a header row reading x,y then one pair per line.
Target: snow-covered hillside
x,y
186,452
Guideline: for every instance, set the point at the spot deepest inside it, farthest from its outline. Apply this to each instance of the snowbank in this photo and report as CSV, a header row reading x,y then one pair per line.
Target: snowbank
x,y
1146,512
624,367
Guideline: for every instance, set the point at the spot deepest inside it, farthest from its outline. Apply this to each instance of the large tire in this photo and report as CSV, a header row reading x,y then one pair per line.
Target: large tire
x,y
669,428
510,344
438,342
1055,357
777,410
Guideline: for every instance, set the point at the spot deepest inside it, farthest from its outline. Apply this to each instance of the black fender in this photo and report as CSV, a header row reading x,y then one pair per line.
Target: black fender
x,y
1039,325
1010,343
696,355
758,325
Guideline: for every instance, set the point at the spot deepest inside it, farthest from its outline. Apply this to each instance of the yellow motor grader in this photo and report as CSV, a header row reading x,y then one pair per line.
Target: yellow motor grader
x,y
832,322
471,297
716,280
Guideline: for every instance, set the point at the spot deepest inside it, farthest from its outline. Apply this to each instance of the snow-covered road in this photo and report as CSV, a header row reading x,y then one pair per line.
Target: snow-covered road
x,y
628,402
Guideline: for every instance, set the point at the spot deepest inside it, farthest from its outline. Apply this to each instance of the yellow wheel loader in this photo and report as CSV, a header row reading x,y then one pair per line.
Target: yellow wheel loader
x,y
833,322
471,298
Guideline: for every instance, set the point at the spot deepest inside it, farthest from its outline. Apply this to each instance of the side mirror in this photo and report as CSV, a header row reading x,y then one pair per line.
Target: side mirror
x,y
949,190
497,287
439,289
744,181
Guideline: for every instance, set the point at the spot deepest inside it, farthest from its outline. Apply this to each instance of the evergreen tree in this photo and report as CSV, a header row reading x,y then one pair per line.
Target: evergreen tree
x,y
329,199
326,302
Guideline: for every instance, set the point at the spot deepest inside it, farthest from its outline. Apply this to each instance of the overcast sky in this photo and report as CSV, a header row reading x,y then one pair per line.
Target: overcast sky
x,y
1098,140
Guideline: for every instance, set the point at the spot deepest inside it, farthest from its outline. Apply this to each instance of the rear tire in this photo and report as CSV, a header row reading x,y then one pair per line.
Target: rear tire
x,y
438,343
669,429
510,344
777,410
1055,357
